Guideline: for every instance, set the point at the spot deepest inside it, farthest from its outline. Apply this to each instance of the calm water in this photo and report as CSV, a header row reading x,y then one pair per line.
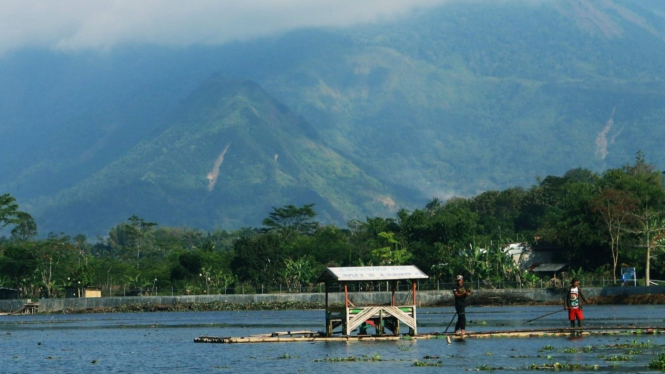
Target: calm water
x,y
164,343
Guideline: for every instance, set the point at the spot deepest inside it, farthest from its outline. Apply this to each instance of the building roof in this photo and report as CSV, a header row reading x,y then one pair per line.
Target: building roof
x,y
371,273
548,267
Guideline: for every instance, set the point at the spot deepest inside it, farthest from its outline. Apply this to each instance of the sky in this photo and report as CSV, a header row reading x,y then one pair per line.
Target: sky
x,y
72,25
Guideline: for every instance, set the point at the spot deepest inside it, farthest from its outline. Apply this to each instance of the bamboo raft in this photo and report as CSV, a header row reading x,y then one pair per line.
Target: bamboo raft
x,y
309,336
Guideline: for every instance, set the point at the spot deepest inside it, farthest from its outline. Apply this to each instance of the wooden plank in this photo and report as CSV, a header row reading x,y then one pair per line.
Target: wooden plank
x,y
589,331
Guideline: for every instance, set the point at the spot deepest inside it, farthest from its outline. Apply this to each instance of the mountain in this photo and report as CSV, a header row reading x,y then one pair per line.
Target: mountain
x,y
361,121
229,154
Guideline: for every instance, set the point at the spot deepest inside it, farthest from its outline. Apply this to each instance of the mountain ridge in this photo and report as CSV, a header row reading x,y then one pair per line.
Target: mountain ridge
x,y
452,101
231,144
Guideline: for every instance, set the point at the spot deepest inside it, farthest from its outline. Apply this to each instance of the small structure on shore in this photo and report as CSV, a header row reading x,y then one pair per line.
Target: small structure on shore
x,y
384,317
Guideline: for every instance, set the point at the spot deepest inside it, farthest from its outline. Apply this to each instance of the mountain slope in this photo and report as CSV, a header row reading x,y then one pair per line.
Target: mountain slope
x,y
456,100
230,154
469,98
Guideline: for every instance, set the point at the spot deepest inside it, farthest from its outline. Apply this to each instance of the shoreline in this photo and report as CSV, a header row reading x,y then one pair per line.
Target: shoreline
x,y
216,306
233,302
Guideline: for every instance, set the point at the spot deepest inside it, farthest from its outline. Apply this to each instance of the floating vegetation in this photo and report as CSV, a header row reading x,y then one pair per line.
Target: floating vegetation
x,y
560,366
658,362
634,352
633,344
488,368
586,349
547,348
617,358
373,358
404,347
424,363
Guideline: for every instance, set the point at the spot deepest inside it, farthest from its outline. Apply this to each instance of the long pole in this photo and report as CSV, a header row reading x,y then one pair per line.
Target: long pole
x,y
449,323
548,314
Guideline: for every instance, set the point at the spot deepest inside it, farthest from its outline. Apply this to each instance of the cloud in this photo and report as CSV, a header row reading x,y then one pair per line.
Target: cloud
x,y
102,24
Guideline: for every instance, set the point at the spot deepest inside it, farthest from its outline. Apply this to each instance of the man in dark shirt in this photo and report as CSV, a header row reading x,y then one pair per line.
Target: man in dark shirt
x,y
460,293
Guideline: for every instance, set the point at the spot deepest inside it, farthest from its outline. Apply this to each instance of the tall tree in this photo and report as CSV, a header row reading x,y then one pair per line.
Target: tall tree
x,y
644,183
49,255
290,220
139,232
25,228
616,208
9,213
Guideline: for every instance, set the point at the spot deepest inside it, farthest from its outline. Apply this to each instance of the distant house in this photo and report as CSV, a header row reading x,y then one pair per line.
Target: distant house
x,y
549,269
539,259
526,257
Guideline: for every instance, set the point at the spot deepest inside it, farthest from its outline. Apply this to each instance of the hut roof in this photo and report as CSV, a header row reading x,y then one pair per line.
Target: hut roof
x,y
371,273
548,267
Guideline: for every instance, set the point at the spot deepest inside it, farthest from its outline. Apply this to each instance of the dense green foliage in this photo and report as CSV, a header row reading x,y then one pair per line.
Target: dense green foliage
x,y
594,222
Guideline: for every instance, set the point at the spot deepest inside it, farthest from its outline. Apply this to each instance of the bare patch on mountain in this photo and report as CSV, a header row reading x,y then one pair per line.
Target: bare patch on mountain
x,y
214,172
387,201
601,17
603,140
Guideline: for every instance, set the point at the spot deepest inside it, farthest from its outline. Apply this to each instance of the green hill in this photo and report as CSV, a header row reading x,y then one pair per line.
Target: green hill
x,y
230,154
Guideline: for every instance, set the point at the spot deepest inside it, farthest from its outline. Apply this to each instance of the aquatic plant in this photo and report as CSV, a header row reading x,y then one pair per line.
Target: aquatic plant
x,y
658,362
632,344
287,356
404,347
424,363
561,366
617,358
547,348
586,349
488,368
373,358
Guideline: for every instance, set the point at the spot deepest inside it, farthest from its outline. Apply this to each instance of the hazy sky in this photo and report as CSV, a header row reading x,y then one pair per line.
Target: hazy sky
x,y
102,24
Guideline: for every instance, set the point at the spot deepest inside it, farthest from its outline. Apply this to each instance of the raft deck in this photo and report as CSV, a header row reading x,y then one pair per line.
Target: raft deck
x,y
308,336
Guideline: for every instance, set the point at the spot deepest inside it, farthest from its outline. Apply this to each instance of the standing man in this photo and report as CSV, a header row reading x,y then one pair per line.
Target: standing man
x,y
460,304
573,304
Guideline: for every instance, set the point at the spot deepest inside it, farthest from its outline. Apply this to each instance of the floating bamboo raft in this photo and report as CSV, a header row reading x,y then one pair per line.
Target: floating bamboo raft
x,y
309,336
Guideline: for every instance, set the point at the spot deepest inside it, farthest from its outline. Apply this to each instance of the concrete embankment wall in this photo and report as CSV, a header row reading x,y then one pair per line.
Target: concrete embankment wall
x,y
425,298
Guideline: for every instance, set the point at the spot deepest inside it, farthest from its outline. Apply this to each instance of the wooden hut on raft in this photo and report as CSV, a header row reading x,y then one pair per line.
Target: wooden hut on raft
x,y
387,316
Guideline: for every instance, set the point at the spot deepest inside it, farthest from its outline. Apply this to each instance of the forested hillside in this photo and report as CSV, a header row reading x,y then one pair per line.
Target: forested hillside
x,y
595,224
362,121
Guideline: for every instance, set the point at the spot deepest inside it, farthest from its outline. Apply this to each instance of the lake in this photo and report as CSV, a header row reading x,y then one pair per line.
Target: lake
x,y
164,343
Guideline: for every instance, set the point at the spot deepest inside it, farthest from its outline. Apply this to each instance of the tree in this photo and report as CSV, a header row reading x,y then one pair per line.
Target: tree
x,y
135,235
644,183
9,213
25,228
18,264
49,254
290,220
615,207
392,253
258,260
